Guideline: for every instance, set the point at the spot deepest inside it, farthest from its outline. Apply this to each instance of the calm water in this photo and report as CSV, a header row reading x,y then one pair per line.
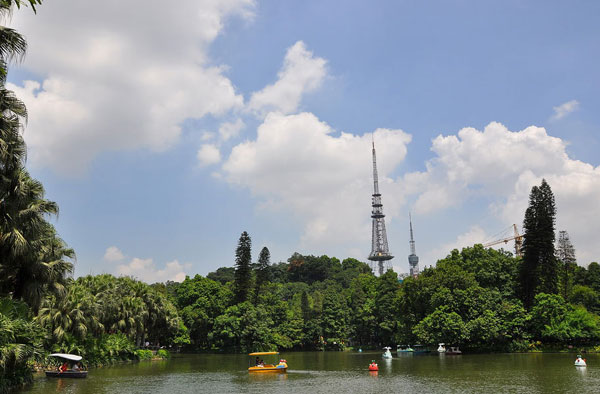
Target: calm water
x,y
341,372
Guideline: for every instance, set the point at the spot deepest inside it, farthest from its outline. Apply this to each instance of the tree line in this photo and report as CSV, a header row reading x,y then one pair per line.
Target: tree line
x,y
481,299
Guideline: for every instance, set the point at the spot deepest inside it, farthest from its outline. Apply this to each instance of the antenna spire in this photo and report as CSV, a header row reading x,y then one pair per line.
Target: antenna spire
x,y
379,245
413,259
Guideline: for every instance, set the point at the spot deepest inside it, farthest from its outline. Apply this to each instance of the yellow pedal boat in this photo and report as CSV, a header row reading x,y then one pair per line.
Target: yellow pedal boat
x,y
261,367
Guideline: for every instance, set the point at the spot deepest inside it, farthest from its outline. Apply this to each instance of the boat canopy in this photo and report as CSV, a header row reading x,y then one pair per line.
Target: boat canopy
x,y
71,357
262,353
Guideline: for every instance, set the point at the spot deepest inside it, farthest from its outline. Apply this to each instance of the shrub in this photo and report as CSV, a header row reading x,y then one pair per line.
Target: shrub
x,y
143,354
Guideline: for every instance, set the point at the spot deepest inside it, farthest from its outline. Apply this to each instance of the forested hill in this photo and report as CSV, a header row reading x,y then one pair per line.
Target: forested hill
x,y
472,298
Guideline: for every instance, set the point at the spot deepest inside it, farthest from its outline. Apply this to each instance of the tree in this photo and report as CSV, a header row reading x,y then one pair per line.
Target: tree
x,y
565,253
243,258
592,276
262,271
539,270
386,306
201,301
441,326
222,275
334,318
34,258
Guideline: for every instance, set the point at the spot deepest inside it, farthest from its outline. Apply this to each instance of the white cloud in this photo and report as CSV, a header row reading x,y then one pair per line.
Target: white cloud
x,y
298,165
565,109
208,154
229,130
113,254
145,270
301,73
503,166
474,235
107,87
207,136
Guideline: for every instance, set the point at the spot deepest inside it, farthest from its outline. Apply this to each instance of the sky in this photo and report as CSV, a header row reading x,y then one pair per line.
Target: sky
x,y
165,130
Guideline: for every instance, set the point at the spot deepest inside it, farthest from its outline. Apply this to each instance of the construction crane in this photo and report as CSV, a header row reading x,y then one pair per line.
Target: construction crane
x,y
518,238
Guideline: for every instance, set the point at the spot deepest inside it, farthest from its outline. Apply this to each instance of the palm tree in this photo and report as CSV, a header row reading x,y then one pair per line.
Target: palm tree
x,y
20,340
35,258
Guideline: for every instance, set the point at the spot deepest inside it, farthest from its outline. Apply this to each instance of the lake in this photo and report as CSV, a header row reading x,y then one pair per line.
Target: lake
x,y
340,372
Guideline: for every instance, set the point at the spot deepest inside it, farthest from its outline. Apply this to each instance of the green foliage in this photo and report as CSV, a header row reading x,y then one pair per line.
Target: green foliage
x,y
244,327
163,353
222,275
144,354
242,277
20,342
200,302
262,272
8,3
441,326
107,317
310,269
539,270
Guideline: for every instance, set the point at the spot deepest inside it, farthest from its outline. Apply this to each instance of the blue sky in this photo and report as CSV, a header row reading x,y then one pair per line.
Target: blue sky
x,y
164,133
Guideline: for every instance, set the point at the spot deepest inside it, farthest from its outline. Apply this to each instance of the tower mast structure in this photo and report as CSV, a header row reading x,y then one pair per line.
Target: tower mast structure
x,y
413,259
380,252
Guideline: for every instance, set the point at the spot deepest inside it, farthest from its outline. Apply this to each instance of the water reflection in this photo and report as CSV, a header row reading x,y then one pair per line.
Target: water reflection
x,y
267,377
387,365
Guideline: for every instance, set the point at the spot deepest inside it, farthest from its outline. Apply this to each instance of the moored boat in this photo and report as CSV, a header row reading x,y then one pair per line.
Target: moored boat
x,y
442,348
261,367
420,349
453,350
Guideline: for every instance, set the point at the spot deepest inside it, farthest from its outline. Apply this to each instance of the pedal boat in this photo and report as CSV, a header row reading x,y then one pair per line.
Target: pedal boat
x,y
387,353
268,368
580,362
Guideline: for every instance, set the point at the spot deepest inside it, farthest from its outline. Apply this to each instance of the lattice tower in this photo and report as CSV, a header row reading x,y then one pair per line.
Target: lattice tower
x,y
380,253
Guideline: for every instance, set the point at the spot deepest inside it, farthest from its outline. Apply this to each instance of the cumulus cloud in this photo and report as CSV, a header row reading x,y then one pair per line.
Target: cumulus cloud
x,y
474,235
299,164
301,73
502,166
229,130
565,109
208,154
107,87
113,254
146,270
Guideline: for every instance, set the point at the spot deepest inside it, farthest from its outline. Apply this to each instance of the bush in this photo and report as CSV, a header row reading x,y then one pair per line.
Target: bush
x,y
143,354
163,353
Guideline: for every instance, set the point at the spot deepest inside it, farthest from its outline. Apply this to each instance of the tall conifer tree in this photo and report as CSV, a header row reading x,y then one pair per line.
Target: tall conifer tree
x,y
243,258
565,253
539,271
262,271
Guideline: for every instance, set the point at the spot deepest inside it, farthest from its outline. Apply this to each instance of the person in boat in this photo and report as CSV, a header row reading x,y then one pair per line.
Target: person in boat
x,y
76,367
257,361
262,363
63,367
